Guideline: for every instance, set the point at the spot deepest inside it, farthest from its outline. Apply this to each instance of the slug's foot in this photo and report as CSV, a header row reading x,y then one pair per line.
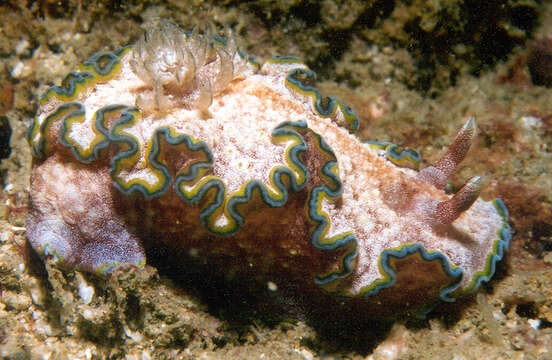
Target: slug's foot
x,y
58,241
75,221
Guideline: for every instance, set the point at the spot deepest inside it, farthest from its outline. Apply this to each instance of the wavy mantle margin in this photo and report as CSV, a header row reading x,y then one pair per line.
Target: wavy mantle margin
x,y
451,291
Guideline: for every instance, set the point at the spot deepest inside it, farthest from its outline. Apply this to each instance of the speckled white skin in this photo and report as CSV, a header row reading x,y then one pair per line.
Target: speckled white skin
x,y
383,205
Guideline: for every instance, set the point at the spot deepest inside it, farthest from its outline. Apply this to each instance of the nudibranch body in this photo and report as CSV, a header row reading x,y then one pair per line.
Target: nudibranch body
x,y
184,140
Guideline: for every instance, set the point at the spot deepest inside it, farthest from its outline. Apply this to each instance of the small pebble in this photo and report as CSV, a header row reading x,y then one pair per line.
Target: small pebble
x,y
548,259
534,323
272,286
531,122
86,292
6,236
21,70
22,47
16,301
517,342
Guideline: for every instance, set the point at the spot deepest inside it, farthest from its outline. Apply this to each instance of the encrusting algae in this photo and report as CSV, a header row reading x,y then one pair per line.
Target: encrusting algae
x,y
184,140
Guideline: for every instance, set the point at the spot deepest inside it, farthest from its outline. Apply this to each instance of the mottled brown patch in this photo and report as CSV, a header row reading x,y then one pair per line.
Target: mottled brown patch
x,y
530,216
515,73
6,97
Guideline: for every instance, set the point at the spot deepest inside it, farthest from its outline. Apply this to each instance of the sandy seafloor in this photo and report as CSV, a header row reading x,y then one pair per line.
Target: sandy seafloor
x,y
412,71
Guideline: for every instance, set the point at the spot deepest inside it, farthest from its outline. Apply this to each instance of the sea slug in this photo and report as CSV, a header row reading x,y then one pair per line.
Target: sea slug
x,y
184,140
